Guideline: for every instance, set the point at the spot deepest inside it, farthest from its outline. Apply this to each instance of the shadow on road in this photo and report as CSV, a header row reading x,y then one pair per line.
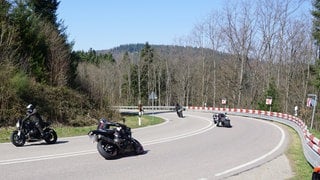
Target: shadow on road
x,y
41,143
129,155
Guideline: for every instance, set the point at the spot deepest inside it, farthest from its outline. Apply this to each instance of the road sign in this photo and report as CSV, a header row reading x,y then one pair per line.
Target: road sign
x,y
153,96
224,101
268,101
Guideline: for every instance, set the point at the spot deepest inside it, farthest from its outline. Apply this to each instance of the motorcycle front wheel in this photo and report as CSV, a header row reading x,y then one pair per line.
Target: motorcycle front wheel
x,y
16,139
137,146
107,150
50,136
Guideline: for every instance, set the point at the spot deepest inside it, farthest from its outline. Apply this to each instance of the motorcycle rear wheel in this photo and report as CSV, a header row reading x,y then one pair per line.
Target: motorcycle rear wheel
x,y
17,140
107,150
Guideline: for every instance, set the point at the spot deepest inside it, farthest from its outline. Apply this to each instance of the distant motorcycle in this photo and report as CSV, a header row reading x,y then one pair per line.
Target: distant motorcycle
x,y
180,114
114,139
27,131
179,110
221,119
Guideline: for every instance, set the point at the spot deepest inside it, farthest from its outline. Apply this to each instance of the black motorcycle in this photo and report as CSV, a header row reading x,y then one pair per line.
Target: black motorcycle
x,y
221,119
179,110
114,139
27,131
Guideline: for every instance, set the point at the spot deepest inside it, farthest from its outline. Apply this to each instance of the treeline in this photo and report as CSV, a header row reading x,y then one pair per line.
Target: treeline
x,y
243,53
38,66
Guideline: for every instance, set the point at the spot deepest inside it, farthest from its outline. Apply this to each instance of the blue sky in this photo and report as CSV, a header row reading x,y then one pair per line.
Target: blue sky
x,y
104,24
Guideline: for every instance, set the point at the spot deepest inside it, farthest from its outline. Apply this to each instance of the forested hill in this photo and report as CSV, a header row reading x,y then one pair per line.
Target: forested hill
x,y
161,50
131,48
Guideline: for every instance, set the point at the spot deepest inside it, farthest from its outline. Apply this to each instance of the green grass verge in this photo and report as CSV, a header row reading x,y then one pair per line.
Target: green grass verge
x,y
130,121
5,134
315,133
67,131
300,166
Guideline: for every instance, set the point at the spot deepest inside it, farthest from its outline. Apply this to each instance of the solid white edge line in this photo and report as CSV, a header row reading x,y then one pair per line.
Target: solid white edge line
x,y
40,158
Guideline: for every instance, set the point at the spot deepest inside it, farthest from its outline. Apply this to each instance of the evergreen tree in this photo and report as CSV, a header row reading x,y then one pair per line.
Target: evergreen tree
x,y
134,80
316,36
146,56
316,21
46,9
32,46
108,57
7,33
271,93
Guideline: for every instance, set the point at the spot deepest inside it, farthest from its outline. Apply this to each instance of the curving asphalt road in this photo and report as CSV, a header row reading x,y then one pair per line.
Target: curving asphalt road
x,y
189,148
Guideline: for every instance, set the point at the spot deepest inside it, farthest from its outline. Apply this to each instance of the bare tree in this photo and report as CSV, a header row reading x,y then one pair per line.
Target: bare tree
x,y
58,55
214,34
240,31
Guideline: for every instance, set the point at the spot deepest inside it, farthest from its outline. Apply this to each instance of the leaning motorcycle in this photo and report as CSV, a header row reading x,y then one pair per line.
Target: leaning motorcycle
x,y
179,110
114,139
221,119
27,131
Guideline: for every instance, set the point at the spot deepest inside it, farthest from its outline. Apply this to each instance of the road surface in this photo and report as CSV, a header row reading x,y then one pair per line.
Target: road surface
x,y
181,148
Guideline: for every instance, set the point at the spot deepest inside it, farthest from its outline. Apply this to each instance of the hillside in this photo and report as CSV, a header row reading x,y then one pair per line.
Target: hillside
x,y
161,50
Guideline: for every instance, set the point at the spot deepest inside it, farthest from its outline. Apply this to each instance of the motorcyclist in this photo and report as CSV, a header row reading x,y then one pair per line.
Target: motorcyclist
x,y
179,110
34,115
104,124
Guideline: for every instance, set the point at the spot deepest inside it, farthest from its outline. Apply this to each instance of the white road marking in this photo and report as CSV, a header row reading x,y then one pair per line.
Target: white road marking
x,y
199,131
259,158
46,157
85,152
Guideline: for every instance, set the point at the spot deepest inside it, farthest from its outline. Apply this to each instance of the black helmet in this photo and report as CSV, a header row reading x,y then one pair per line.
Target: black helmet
x,y
30,108
102,123
103,120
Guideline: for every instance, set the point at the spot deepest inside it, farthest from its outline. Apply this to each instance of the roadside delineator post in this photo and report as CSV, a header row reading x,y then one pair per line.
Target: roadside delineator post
x,y
140,113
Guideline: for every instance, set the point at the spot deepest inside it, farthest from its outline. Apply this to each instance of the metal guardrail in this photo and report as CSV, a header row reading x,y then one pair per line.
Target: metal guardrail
x,y
310,144
170,108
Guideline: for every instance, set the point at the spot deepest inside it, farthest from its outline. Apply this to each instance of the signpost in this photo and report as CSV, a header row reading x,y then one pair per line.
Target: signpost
x,y
296,111
224,102
140,108
269,102
312,102
152,97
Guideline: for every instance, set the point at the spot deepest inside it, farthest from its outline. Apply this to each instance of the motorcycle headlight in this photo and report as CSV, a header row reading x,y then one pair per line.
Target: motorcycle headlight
x,y
18,124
